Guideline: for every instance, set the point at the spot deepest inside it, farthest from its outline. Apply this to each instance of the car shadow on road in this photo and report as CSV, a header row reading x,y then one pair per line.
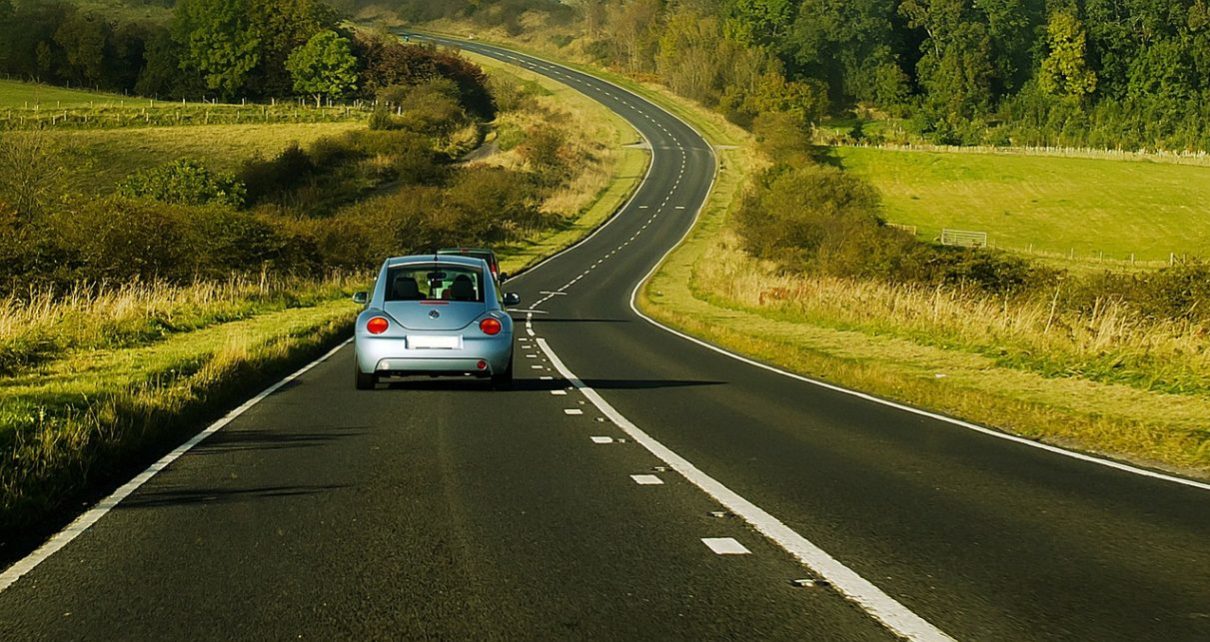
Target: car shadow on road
x,y
240,440
469,384
192,496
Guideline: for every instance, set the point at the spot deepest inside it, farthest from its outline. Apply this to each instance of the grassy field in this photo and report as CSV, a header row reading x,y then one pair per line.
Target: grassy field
x,y
98,158
20,95
1093,208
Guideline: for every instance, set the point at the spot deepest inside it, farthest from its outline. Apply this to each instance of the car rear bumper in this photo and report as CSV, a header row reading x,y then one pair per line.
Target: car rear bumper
x,y
390,357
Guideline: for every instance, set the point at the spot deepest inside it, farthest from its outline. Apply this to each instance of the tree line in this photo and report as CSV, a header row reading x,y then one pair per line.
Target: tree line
x,y
254,49
1106,73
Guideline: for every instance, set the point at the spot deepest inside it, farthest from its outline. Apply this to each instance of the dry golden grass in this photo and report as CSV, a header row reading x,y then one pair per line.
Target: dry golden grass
x,y
36,327
1111,342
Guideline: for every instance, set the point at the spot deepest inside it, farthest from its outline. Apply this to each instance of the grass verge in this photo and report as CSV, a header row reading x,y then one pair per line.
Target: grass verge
x,y
78,422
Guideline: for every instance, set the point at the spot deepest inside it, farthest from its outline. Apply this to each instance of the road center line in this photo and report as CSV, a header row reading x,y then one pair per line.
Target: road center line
x,y
859,590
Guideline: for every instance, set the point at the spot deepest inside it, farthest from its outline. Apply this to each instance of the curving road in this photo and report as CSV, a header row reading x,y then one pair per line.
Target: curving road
x,y
438,509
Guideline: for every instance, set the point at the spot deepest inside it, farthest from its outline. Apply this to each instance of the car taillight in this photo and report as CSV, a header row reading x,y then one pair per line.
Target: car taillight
x,y
377,325
490,326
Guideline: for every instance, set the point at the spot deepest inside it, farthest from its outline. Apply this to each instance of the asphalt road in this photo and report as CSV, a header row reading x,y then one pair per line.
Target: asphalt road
x,y
439,509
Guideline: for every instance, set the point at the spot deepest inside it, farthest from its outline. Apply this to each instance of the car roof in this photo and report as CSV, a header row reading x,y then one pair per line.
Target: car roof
x,y
449,259
466,250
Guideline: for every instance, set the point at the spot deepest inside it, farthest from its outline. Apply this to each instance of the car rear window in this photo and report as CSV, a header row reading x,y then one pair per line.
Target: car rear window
x,y
434,283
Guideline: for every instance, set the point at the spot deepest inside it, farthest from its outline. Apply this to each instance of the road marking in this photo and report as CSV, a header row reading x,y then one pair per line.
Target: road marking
x,y
531,356
572,411
546,378
535,367
558,392
602,440
861,591
92,515
725,546
647,480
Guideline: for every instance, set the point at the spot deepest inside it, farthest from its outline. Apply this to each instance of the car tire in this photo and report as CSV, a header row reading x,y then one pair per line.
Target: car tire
x,y
365,381
504,380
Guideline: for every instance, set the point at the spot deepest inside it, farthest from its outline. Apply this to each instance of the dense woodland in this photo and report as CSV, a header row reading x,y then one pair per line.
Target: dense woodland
x,y
1105,73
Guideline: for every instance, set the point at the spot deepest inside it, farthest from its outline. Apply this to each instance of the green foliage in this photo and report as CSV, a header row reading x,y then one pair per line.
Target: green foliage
x,y
1065,71
220,40
184,182
32,173
325,66
544,149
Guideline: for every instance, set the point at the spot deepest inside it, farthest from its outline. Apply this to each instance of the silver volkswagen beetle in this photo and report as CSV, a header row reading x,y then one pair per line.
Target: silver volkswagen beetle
x,y
434,315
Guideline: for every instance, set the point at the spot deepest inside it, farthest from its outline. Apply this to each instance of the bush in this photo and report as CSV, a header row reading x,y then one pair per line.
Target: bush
x,y
266,179
184,182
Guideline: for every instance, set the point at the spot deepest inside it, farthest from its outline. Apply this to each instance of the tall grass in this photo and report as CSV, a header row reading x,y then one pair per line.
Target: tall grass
x,y
1111,342
39,325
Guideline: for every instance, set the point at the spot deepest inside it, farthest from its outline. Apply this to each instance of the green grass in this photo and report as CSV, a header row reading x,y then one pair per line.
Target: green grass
x,y
98,159
17,94
1047,205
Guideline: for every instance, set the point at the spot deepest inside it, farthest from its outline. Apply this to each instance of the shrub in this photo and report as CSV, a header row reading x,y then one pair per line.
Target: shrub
x,y
266,179
185,182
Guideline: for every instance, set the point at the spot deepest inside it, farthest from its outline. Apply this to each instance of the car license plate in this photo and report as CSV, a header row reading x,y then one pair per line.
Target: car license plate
x,y
433,342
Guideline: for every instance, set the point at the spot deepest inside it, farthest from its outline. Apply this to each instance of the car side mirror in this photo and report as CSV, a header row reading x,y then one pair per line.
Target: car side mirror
x,y
361,298
512,298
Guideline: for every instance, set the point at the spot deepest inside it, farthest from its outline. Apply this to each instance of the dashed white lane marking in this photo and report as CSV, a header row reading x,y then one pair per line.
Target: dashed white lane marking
x,y
85,521
535,367
725,546
680,207
861,591
531,356
546,378
602,440
572,411
558,392
647,480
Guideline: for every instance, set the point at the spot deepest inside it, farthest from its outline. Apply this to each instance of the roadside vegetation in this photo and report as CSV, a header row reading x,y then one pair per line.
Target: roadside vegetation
x,y
792,261
156,269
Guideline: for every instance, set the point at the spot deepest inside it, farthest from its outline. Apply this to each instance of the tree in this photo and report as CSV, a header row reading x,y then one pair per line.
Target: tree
x,y
325,66
83,37
1065,71
283,27
220,40
956,69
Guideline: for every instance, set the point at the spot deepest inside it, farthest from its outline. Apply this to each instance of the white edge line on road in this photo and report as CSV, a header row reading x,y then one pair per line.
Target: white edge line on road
x,y
878,604
90,517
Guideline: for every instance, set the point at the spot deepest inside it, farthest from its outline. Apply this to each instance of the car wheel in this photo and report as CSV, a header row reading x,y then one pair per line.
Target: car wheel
x,y
365,381
504,380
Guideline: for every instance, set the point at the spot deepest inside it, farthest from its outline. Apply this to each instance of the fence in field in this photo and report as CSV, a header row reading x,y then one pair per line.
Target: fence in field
x,y
964,238
137,112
